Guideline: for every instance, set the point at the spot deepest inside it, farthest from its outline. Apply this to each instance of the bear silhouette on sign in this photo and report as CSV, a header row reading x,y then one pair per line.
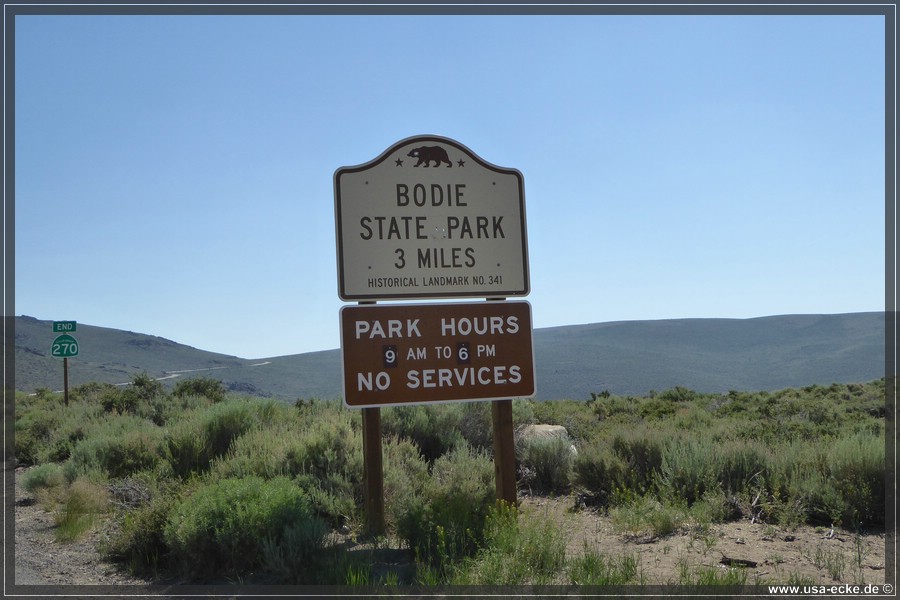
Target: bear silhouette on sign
x,y
426,154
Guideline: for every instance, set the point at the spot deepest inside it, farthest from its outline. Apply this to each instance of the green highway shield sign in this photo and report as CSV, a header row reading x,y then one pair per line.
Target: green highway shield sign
x,y
64,346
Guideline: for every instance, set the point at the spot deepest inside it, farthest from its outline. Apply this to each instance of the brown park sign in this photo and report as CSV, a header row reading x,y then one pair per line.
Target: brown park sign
x,y
430,219
424,353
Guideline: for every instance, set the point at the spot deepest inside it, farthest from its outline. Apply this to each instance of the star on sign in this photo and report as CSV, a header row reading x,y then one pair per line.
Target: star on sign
x,y
399,162
461,162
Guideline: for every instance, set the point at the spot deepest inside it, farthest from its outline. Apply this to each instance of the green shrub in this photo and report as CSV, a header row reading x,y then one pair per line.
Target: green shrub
x,y
434,429
447,520
327,446
72,424
139,541
186,448
678,394
335,499
25,447
741,465
598,473
327,458
475,424
693,417
262,452
641,449
474,421
44,476
69,434
522,411
647,515
90,392
44,395
405,478
175,408
145,387
204,434
34,429
656,408
793,478
615,408
714,507
594,568
222,527
117,451
546,463
200,386
838,482
115,400
806,456
518,550
297,556
856,470
809,498
137,398
577,417
688,469
223,423
735,577
144,397
323,455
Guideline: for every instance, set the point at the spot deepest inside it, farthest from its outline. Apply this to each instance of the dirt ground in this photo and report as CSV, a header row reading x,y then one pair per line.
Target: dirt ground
x,y
769,553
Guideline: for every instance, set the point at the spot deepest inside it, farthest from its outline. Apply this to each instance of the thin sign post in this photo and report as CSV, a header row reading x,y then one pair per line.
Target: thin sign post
x,y
66,380
504,451
373,470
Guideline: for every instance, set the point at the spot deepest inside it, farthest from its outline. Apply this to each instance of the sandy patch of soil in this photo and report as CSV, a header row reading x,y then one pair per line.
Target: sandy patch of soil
x,y
41,560
770,554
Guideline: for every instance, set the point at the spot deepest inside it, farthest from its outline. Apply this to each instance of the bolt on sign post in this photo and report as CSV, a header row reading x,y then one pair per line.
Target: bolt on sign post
x,y
429,219
63,347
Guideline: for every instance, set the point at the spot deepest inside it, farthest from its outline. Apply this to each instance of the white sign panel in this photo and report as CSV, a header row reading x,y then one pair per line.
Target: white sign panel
x,y
430,219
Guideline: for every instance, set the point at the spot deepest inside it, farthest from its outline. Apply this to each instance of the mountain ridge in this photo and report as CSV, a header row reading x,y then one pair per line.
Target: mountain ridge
x,y
571,361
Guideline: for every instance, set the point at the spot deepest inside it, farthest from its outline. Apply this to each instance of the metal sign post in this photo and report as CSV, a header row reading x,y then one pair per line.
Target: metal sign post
x,y
504,451
373,467
373,470
66,380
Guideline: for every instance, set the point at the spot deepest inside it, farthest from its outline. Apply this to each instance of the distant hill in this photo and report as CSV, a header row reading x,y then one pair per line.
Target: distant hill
x,y
710,355
625,357
116,356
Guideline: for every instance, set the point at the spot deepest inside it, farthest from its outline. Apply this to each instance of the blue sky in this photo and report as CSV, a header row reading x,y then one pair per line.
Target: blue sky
x,y
174,174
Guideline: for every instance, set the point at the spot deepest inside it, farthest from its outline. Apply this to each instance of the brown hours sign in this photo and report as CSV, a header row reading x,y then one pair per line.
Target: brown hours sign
x,y
414,354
